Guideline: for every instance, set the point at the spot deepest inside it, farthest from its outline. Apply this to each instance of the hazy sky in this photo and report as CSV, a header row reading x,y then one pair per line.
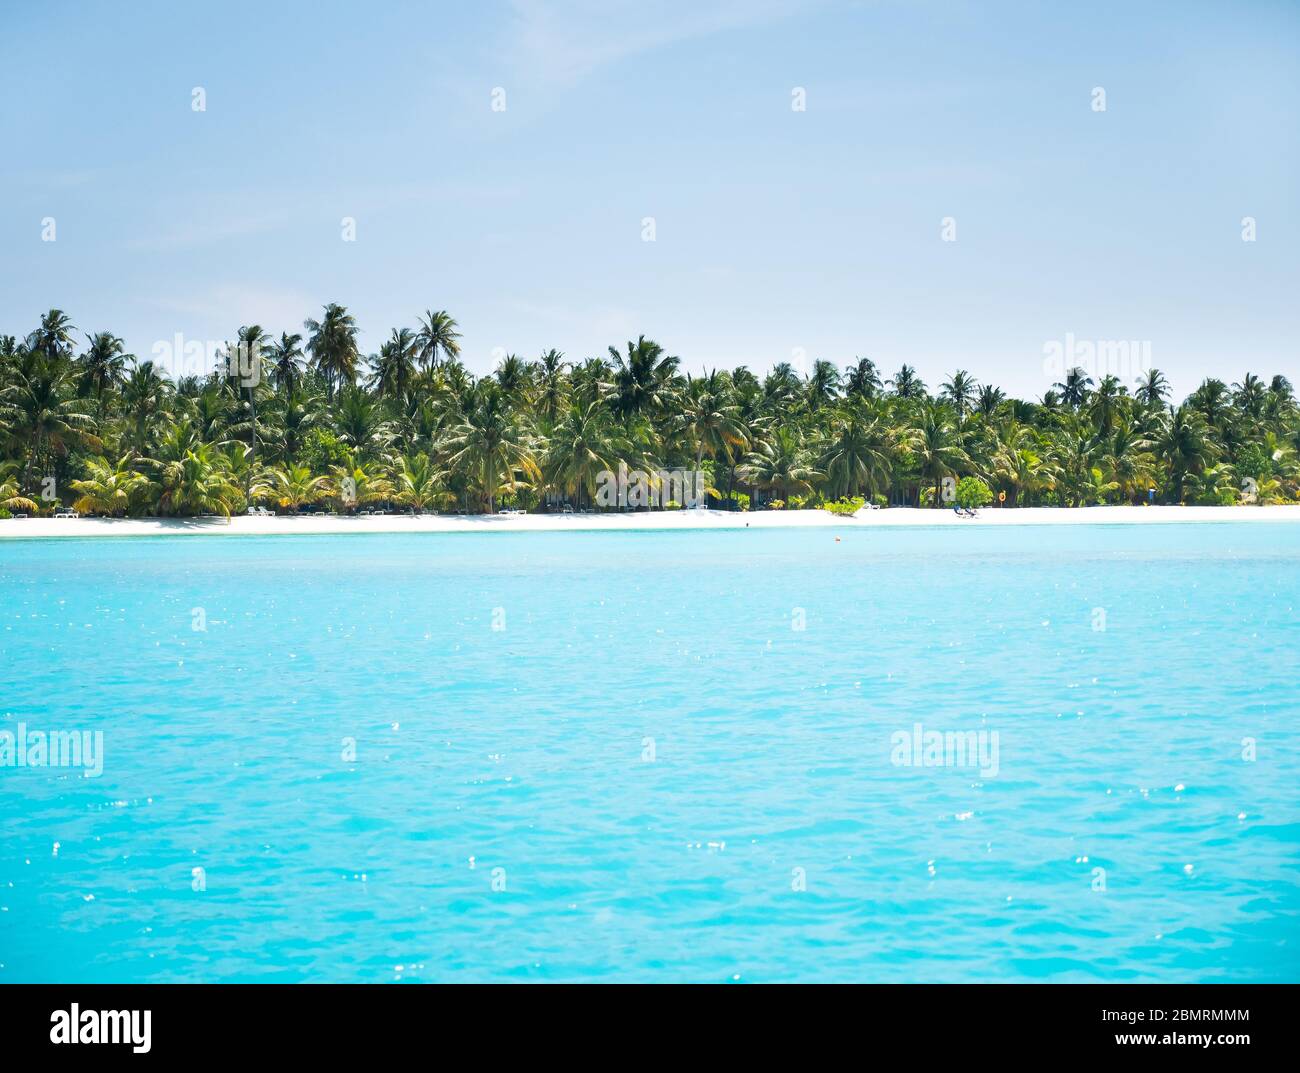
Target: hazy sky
x,y
780,235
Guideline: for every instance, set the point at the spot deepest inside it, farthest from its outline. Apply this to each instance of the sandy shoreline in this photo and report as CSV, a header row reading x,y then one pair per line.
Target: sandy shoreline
x,y
18,528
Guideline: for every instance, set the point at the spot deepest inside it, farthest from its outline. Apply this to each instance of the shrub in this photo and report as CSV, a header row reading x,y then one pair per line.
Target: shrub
x,y
973,492
845,505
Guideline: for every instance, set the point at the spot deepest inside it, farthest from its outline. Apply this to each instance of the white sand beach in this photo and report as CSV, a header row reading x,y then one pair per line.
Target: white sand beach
x,y
18,528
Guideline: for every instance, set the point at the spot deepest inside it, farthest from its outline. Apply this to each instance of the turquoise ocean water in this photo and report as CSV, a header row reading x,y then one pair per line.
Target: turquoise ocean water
x,y
614,756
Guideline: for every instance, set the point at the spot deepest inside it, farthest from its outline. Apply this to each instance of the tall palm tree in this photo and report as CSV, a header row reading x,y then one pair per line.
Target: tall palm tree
x,y
1184,446
988,400
286,358
550,386
861,379
490,447
514,377
823,385
906,384
394,367
333,347
1128,459
1152,387
584,444
103,365
780,466
437,335
937,448
643,378
710,422
1074,388
54,337
959,390
47,415
251,340
1105,400
859,454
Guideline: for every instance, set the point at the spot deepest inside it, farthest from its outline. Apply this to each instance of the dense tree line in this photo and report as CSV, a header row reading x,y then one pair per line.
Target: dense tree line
x,y
305,421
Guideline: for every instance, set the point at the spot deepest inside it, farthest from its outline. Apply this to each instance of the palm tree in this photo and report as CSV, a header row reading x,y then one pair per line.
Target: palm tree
x,y
960,392
333,347
1074,388
709,420
437,335
354,484
10,497
584,444
550,387
54,337
937,448
514,377
419,482
823,385
1250,396
286,357
906,384
293,486
780,466
1213,400
1104,401
988,400
394,367
111,488
859,455
144,400
861,379
1152,387
643,379
251,340
47,415
489,447
361,422
1183,444
1078,449
103,365
781,387
1019,464
295,415
198,483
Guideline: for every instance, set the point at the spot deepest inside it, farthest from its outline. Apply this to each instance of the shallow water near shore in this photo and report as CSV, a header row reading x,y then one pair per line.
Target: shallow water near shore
x,y
615,756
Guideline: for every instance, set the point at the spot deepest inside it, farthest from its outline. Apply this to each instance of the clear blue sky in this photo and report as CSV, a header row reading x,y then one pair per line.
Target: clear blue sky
x,y
775,229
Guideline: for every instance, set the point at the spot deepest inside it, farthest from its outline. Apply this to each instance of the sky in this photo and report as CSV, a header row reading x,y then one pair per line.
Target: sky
x,y
950,195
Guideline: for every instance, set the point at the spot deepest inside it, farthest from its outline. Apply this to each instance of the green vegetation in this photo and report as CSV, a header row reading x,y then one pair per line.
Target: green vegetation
x,y
846,505
311,423
971,492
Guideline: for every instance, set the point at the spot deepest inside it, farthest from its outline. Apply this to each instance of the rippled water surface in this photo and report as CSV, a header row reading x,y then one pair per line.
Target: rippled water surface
x,y
652,760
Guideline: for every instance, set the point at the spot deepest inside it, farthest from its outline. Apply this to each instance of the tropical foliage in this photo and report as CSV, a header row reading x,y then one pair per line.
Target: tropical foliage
x,y
305,421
